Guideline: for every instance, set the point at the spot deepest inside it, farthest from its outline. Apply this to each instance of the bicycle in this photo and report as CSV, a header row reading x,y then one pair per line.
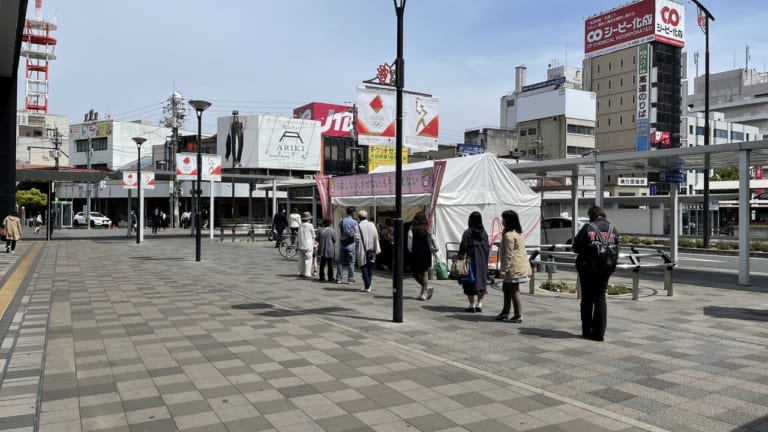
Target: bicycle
x,y
287,250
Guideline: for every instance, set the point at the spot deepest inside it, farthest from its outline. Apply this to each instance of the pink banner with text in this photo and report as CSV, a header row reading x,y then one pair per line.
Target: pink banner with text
x,y
414,182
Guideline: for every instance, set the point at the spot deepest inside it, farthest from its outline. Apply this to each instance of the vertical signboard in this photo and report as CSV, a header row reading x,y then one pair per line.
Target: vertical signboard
x,y
376,119
643,100
670,23
211,167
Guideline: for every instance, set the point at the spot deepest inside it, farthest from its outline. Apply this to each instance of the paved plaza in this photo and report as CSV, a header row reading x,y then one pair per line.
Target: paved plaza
x,y
102,334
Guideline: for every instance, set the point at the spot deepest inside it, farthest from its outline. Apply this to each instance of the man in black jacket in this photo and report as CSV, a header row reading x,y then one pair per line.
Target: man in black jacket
x,y
279,224
594,281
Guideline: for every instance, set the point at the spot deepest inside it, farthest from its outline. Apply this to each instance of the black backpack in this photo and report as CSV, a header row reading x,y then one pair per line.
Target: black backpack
x,y
607,254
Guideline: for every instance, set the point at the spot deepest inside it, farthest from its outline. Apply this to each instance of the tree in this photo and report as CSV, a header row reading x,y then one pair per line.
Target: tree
x,y
725,174
31,198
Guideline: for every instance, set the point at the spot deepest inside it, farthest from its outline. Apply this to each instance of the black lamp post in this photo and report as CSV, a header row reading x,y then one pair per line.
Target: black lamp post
x,y
199,106
705,25
397,279
139,217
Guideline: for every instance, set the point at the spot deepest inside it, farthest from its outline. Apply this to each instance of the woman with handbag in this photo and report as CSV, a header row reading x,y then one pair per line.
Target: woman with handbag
x,y
515,267
474,246
422,246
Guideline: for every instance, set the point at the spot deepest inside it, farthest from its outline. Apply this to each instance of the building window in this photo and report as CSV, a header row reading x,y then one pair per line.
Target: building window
x,y
633,59
523,132
633,79
690,129
621,119
738,136
598,68
597,105
97,144
609,65
609,121
511,102
633,118
747,137
580,130
700,130
621,100
720,133
531,131
609,84
633,98
597,123
622,62
621,82
598,86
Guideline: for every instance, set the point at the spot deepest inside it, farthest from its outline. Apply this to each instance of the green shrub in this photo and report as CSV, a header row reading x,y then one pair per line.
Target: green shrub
x,y
558,286
699,243
646,241
618,289
759,246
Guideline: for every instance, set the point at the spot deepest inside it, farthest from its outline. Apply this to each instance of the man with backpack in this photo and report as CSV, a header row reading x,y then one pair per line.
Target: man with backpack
x,y
598,252
347,250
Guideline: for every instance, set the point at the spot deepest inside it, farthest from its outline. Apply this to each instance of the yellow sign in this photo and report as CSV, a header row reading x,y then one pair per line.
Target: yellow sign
x,y
384,156
93,130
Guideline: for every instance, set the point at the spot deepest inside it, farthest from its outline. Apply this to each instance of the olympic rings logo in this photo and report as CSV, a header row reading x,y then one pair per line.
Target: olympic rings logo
x,y
377,123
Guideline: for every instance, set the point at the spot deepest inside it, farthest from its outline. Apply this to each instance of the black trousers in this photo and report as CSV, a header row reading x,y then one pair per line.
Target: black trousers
x,y
594,311
324,261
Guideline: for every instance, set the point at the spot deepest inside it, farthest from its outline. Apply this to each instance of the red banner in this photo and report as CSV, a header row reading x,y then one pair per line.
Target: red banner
x,y
325,200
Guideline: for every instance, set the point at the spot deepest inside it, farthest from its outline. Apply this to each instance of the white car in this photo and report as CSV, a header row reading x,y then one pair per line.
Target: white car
x,y
97,219
559,229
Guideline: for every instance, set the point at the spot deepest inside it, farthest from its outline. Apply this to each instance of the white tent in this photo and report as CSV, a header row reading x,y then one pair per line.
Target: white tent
x,y
473,183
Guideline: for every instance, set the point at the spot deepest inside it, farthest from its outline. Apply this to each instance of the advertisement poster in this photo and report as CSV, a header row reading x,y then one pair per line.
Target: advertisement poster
x,y
376,119
211,168
130,180
643,99
263,141
384,156
186,166
619,28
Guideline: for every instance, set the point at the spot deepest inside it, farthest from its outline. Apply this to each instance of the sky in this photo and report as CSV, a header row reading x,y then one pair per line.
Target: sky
x,y
271,56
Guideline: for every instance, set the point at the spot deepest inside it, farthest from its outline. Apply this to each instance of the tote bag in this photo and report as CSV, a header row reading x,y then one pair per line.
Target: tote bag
x,y
460,267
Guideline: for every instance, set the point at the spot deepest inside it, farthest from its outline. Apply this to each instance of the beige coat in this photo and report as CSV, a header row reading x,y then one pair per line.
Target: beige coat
x,y
12,226
514,258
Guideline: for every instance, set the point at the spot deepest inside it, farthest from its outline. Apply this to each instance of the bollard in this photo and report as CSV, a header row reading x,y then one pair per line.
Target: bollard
x,y
222,232
551,264
549,270
668,280
635,284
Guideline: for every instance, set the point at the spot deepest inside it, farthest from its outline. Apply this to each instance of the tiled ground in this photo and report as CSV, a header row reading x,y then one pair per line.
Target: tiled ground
x,y
115,336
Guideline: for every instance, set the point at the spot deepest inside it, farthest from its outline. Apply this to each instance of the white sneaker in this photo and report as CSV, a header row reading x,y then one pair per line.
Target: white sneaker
x,y
367,290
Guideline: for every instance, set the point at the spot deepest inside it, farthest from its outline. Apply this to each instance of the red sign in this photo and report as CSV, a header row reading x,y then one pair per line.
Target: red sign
x,y
619,28
335,120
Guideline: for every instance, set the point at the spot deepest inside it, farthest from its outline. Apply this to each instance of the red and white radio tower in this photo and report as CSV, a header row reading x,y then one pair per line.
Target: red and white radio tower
x,y
38,48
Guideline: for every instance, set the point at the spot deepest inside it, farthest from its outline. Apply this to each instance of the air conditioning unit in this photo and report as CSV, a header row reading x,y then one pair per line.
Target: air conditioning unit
x,y
309,177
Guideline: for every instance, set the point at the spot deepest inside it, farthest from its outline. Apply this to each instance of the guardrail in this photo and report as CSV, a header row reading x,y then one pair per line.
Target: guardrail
x,y
546,256
250,230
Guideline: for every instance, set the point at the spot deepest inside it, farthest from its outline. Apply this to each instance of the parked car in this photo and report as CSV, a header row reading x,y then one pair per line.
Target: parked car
x,y
559,229
97,219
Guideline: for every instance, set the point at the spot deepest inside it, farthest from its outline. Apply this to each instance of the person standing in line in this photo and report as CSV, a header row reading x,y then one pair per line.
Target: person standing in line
x,y
594,282
51,222
367,249
38,223
294,222
279,224
326,249
133,226
421,246
156,220
474,244
305,244
347,239
12,225
515,267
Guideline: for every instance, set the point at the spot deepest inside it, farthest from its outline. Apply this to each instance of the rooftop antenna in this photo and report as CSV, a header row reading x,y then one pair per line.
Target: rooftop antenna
x,y
747,58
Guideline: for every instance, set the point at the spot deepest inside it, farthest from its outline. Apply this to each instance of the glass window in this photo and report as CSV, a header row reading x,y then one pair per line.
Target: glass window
x,y
609,102
700,130
720,133
609,65
690,129
609,84
609,121
738,136
621,101
580,130
621,119
531,131
523,132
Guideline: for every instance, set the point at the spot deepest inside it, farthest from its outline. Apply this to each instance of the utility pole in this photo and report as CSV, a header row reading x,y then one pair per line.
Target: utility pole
x,y
90,117
174,113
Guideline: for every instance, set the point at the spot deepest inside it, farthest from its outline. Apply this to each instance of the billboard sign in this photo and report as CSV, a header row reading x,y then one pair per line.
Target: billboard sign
x,y
642,116
470,149
376,119
335,120
130,180
634,24
670,23
270,142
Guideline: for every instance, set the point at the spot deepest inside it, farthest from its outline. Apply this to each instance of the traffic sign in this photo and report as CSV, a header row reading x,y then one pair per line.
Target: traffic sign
x,y
672,176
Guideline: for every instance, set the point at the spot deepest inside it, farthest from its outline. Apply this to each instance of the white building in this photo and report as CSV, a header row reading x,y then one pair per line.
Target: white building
x,y
554,119
36,139
740,94
111,142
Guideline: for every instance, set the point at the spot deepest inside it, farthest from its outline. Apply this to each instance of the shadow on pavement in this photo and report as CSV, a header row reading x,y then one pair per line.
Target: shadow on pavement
x,y
548,333
251,306
736,313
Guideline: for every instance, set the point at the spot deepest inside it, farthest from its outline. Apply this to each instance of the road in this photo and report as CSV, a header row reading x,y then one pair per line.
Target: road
x,y
721,263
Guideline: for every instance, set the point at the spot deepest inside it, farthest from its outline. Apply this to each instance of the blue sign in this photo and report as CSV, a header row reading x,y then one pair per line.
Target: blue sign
x,y
672,176
548,83
470,149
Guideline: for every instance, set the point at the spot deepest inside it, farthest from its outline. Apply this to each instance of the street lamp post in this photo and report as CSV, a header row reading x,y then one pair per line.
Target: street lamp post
x,y
397,279
704,17
140,217
199,106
